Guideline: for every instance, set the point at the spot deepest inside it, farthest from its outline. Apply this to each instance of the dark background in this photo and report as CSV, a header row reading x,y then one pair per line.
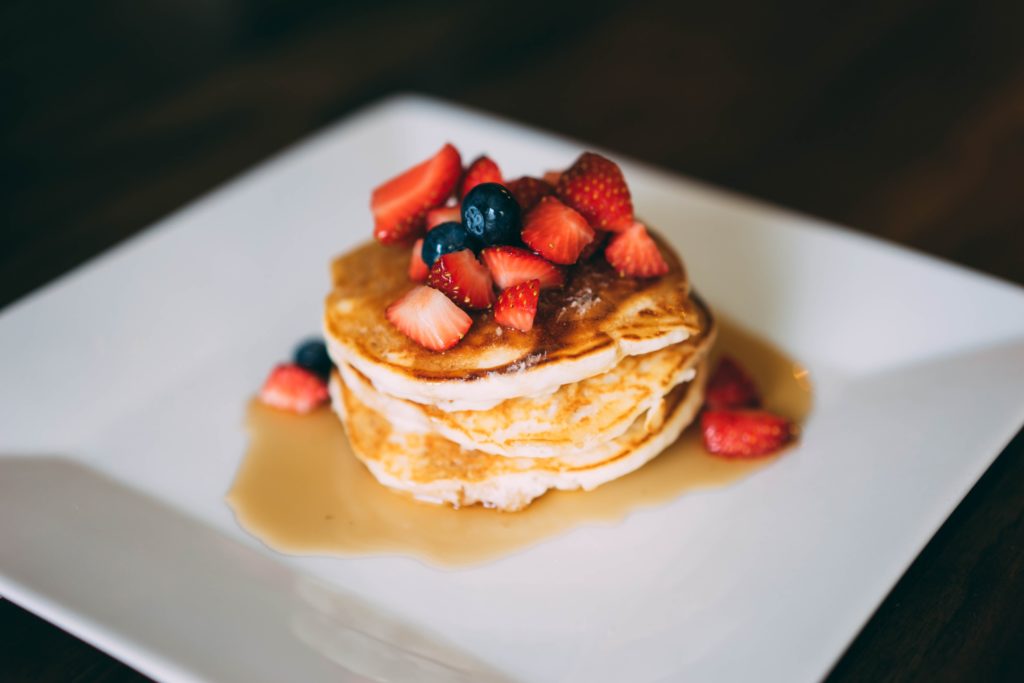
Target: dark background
x,y
904,119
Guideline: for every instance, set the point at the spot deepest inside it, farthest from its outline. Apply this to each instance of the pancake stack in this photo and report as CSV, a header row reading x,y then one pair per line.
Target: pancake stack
x,y
610,374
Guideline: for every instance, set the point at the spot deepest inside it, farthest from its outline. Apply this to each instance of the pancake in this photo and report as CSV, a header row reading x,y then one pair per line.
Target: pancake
x,y
433,469
581,330
576,418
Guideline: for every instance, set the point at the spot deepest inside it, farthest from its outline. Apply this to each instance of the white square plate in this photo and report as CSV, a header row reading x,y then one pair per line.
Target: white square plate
x,y
124,386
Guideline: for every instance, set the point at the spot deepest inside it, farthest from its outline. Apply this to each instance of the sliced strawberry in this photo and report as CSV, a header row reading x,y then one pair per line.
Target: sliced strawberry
x,y
429,318
463,278
556,232
511,265
400,205
482,170
594,186
731,387
417,267
293,388
528,191
633,253
744,433
552,177
517,306
443,214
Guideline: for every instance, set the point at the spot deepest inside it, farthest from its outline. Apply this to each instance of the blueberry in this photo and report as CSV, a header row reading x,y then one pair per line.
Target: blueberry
x,y
491,214
312,355
444,239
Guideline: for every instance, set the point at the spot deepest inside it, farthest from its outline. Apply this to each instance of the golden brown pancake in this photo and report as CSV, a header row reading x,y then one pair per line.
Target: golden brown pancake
x,y
434,469
581,330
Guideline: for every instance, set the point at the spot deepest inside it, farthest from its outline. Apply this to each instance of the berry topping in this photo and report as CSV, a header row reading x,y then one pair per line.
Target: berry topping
x,y
292,388
744,433
491,214
597,245
557,232
482,170
400,205
444,239
312,355
510,266
429,318
528,191
731,387
443,214
594,186
517,306
633,253
464,279
552,177
417,268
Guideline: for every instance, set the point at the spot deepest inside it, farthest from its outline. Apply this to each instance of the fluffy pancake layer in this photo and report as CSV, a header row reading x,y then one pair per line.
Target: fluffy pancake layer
x,y
582,330
434,469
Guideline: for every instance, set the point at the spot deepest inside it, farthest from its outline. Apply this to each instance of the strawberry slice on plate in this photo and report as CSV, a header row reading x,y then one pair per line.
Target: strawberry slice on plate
x,y
400,205
528,191
293,388
633,253
731,387
418,269
595,187
482,170
511,265
443,214
557,232
517,306
463,278
744,433
429,318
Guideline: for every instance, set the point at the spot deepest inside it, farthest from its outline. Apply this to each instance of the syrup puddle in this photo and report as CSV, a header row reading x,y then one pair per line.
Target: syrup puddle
x,y
301,491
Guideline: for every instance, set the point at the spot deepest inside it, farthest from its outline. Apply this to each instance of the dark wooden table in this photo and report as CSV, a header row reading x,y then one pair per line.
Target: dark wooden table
x,y
903,118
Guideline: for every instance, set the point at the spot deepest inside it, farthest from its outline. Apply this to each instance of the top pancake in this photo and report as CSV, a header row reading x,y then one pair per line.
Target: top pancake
x,y
581,330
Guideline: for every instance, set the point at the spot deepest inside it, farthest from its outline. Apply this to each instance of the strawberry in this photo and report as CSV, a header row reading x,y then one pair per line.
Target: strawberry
x,y
417,267
463,278
594,186
293,388
731,387
443,214
744,433
634,253
511,265
400,205
556,232
517,306
482,170
429,318
595,246
528,191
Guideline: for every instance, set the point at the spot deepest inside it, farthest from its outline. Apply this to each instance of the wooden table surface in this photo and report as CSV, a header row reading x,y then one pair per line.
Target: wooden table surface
x,y
904,119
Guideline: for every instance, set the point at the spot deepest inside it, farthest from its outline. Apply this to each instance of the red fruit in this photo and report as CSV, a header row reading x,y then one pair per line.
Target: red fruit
x,y
731,387
517,306
511,265
482,170
443,214
400,205
556,232
744,433
528,191
429,318
292,388
595,246
633,253
594,186
463,278
417,266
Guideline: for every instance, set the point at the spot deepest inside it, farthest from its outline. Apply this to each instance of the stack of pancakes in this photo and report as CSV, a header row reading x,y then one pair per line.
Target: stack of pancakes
x,y
611,373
